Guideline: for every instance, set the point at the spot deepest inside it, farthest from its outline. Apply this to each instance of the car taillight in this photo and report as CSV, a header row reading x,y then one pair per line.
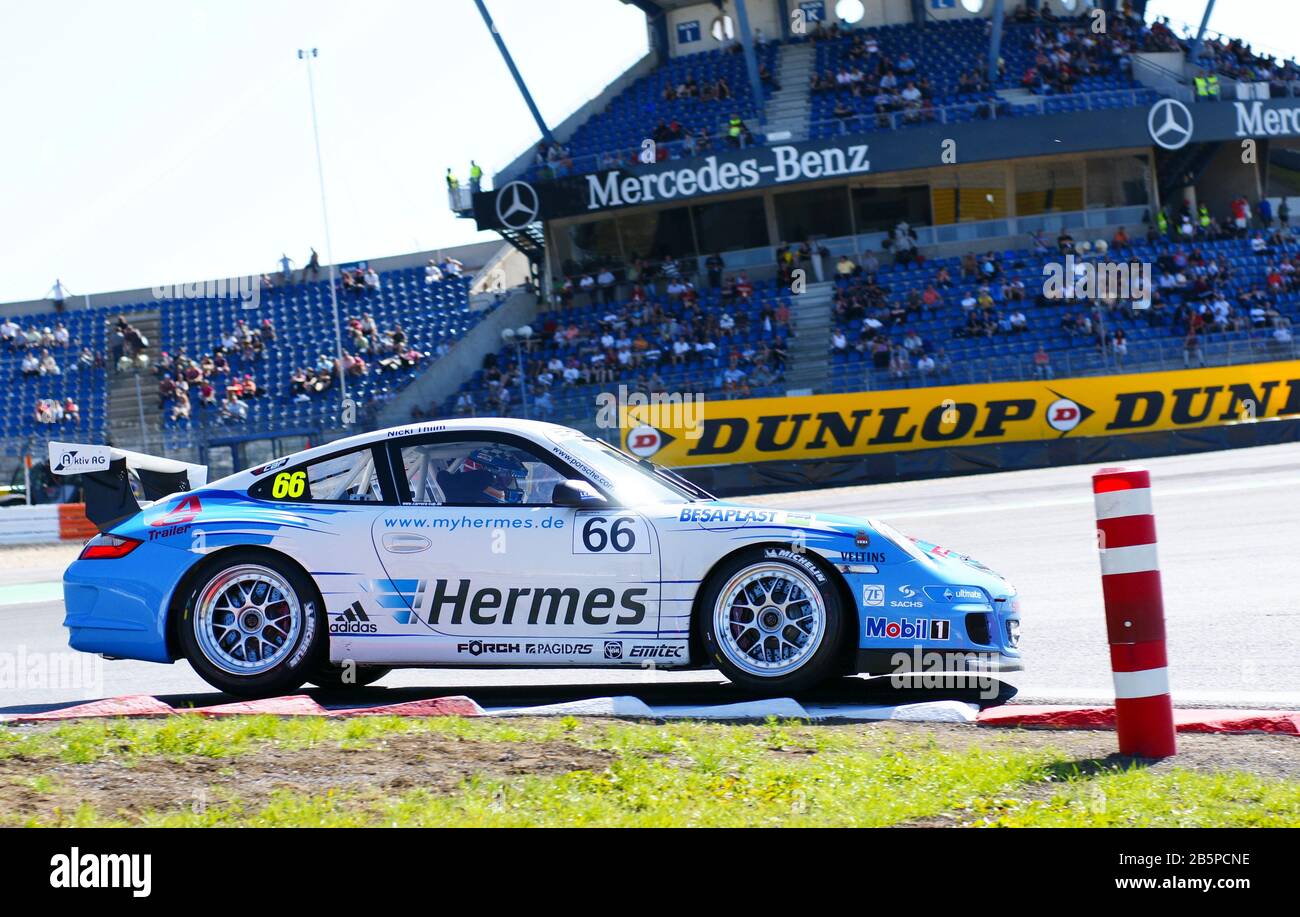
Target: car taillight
x,y
108,547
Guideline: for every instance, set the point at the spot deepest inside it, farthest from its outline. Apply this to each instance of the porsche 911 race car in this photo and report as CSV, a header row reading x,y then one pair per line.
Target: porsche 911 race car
x,y
503,543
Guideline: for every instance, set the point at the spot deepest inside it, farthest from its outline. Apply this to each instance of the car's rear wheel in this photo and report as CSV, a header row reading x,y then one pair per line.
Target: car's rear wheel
x,y
254,625
337,678
771,620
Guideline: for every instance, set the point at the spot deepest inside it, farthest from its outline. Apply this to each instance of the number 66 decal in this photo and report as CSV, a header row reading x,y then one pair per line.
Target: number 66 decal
x,y
610,533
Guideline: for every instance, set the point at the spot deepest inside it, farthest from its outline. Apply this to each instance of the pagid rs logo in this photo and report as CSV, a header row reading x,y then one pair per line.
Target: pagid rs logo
x,y
353,620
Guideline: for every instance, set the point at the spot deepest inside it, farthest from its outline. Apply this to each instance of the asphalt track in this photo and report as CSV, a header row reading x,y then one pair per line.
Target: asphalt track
x,y
1229,531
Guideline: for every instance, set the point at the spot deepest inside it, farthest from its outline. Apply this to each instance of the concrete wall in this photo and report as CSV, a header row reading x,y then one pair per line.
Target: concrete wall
x,y
1224,178
447,374
474,256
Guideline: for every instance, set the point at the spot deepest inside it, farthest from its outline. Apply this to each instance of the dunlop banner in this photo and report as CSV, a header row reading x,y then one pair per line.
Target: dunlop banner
x,y
862,423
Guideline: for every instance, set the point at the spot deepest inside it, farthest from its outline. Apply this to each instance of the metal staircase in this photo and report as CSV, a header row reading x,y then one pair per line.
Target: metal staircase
x,y
788,108
134,421
809,359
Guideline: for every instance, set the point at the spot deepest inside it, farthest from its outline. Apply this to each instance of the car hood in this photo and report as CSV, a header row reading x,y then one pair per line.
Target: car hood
x,y
848,540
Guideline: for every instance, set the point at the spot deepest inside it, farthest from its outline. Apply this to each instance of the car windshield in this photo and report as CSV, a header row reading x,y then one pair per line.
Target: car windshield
x,y
625,477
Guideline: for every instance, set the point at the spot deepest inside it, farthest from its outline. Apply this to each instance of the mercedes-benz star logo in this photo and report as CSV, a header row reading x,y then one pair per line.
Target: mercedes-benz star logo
x,y
517,205
1170,124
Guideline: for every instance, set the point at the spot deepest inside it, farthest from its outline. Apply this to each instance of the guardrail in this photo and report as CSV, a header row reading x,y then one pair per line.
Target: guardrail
x,y
46,524
989,109
1144,356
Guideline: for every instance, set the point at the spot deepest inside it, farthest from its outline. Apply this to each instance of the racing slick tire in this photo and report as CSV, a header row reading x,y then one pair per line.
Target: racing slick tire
x,y
330,676
254,625
772,620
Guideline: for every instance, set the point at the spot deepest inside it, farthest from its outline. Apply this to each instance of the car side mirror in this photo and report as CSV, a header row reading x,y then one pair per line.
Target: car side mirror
x,y
576,493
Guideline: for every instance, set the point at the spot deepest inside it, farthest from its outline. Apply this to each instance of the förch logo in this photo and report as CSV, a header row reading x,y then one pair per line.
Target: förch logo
x,y
517,205
1170,124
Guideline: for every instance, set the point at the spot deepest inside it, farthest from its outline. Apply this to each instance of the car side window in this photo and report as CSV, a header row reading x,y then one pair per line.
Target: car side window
x,y
348,478
476,473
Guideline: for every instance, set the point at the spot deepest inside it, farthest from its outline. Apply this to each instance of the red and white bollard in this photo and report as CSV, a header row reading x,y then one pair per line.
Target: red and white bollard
x,y
1135,613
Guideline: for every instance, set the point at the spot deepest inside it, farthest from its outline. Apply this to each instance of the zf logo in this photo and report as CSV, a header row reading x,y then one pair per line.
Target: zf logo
x,y
353,620
873,595
613,649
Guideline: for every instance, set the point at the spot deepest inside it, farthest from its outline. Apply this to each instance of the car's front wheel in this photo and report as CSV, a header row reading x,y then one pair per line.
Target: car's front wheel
x,y
254,625
771,620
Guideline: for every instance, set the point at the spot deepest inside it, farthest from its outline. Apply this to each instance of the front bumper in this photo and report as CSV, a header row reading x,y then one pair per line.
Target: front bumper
x,y
899,661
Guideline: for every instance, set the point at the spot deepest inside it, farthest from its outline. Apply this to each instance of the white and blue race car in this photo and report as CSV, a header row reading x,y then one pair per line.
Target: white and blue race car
x,y
503,543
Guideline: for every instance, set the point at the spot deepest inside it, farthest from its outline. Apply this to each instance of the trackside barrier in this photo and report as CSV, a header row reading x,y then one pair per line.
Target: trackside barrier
x,y
1135,616
48,524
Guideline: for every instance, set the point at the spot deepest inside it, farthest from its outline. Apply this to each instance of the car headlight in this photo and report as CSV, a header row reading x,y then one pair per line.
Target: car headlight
x,y
1013,632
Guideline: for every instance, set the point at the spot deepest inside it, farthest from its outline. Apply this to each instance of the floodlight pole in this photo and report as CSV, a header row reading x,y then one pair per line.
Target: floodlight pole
x,y
995,41
1195,51
514,72
751,60
346,415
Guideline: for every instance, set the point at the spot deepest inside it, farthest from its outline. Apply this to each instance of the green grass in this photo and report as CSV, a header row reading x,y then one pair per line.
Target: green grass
x,y
778,773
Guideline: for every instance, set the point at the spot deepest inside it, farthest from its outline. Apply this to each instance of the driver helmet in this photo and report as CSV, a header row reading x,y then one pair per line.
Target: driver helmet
x,y
508,473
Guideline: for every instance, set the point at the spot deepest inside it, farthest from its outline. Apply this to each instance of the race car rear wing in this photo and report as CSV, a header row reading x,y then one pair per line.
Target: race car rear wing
x,y
106,473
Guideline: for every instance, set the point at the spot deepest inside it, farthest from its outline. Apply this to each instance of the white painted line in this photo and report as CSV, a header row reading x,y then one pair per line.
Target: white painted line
x,y
1147,683
595,706
1269,484
1119,503
1138,558
944,711
784,707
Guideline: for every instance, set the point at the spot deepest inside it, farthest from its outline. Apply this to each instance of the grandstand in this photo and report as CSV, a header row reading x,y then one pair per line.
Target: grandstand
x,y
822,245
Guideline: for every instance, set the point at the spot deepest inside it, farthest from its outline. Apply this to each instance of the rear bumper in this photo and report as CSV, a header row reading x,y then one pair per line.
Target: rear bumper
x,y
119,607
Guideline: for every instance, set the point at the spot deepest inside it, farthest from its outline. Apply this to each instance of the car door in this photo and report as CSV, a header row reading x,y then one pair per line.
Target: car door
x,y
490,571
326,509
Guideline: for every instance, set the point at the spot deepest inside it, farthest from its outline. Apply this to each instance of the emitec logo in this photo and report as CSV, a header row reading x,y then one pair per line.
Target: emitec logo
x,y
1170,124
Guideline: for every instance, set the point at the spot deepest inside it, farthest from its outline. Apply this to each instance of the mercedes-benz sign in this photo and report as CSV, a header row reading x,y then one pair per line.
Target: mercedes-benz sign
x,y
1170,124
517,205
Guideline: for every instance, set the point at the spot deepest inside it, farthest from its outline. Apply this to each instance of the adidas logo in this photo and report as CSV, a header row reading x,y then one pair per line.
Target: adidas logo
x,y
353,620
